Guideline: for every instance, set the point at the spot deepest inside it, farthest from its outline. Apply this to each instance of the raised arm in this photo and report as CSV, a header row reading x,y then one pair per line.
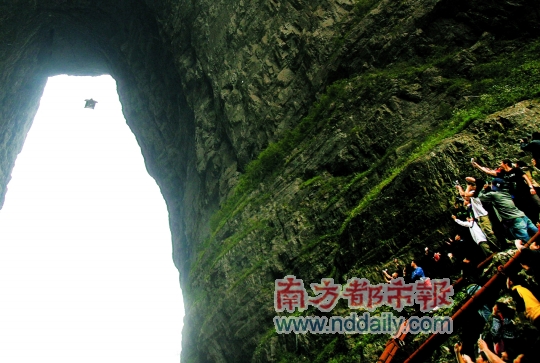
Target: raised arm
x,y
492,357
464,193
457,350
462,223
488,171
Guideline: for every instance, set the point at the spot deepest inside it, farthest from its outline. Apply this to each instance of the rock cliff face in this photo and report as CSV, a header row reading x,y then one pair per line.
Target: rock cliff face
x,y
317,139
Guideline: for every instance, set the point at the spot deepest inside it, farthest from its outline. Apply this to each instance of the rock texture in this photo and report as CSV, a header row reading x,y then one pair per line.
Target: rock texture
x,y
288,137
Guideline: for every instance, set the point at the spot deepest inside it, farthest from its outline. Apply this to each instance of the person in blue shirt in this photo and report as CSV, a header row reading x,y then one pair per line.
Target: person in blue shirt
x,y
418,273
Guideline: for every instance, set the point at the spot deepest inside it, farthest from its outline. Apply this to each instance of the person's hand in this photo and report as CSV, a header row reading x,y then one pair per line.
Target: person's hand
x,y
533,162
466,261
450,255
486,186
482,345
466,358
533,192
454,217
457,347
500,268
519,244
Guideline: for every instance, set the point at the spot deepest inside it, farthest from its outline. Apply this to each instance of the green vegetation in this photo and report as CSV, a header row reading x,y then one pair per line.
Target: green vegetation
x,y
269,162
232,241
307,183
486,88
257,266
327,352
362,7
359,177
218,224
519,80
492,86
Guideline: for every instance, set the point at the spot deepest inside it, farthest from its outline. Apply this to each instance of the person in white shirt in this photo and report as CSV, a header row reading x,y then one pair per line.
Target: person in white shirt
x,y
476,233
470,197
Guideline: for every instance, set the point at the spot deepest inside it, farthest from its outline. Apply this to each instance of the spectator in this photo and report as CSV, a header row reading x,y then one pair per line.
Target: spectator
x,y
493,358
490,356
418,272
440,266
427,261
469,191
501,327
388,277
519,185
462,213
466,254
455,248
464,358
476,233
407,272
525,299
533,147
521,165
481,213
518,224
529,172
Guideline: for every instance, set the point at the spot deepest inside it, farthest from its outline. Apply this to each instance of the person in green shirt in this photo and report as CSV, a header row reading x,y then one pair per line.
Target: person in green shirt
x,y
519,186
518,224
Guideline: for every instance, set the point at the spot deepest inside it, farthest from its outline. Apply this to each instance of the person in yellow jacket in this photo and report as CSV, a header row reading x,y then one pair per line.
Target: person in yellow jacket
x,y
525,300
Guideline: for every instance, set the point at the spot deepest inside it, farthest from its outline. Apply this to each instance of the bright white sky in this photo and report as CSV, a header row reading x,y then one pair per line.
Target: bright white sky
x,y
86,273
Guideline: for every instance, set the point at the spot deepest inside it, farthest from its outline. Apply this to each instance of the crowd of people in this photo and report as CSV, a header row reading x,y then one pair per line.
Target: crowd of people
x,y
495,213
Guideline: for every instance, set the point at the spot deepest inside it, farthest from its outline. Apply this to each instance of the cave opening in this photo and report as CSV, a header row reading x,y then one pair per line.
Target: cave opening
x,y
85,249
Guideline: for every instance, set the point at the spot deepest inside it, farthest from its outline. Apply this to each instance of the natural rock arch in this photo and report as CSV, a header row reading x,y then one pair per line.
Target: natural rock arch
x,y
93,38
206,86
